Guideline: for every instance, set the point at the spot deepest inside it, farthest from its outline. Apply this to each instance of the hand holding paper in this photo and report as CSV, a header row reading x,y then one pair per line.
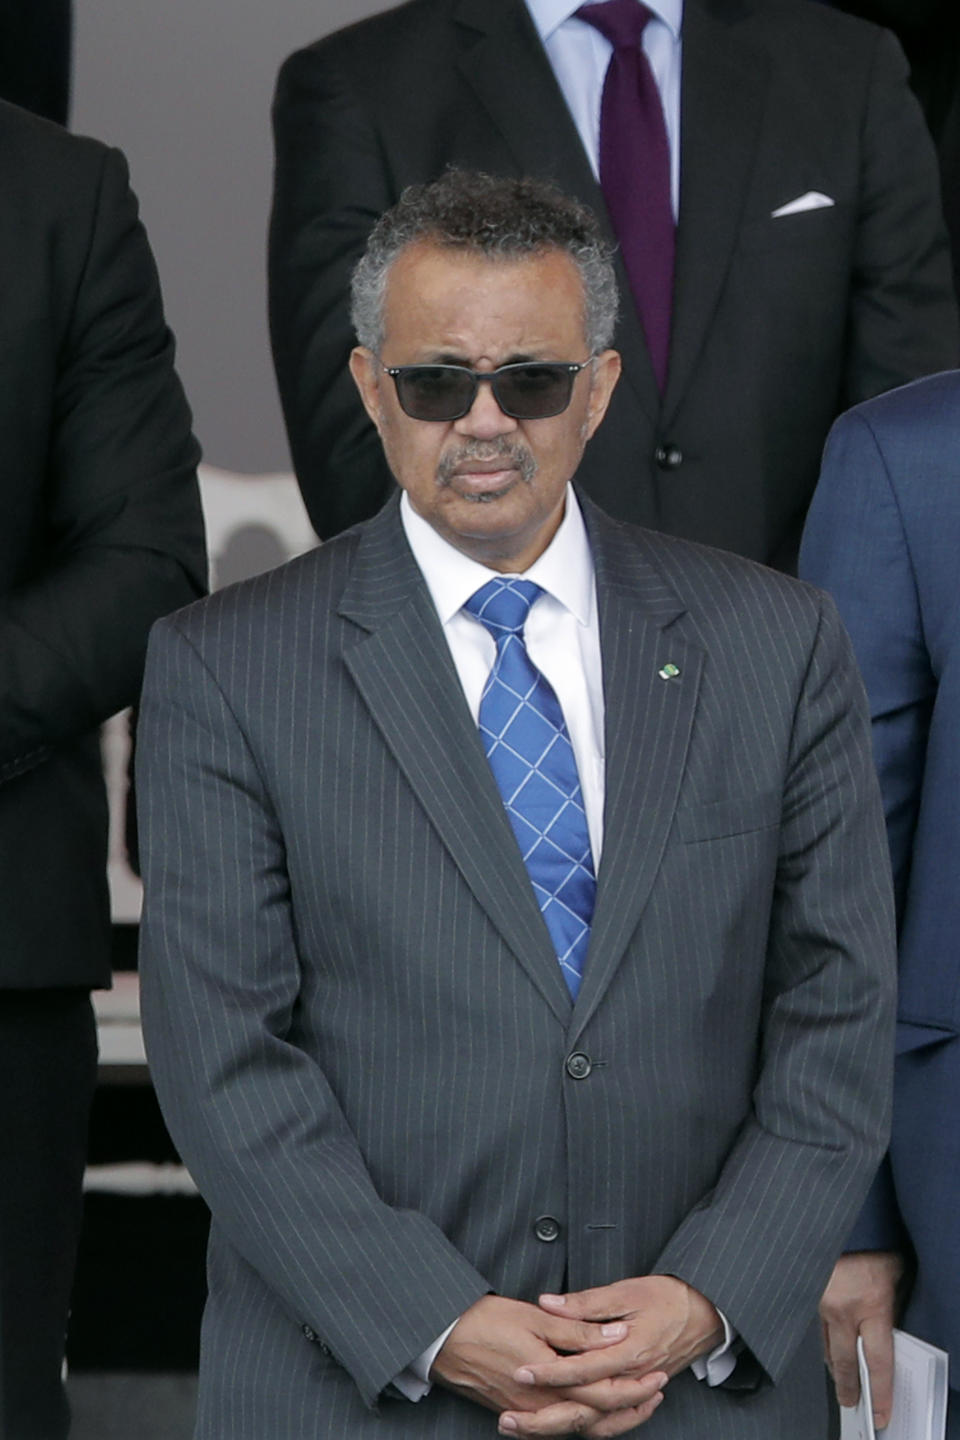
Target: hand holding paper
x,y
859,1303
919,1395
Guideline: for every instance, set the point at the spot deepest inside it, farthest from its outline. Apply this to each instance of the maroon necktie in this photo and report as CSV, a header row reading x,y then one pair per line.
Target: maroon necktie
x,y
635,169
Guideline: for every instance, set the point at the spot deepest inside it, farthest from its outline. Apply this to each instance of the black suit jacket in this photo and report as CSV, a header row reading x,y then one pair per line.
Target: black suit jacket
x,y
101,527
358,1028
778,323
929,31
35,40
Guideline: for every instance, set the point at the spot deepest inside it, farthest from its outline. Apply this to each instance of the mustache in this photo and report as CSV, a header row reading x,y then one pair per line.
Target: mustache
x,y
499,448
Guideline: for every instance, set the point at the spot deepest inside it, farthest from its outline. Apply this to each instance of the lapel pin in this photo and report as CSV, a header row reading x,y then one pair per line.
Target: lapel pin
x,y
669,672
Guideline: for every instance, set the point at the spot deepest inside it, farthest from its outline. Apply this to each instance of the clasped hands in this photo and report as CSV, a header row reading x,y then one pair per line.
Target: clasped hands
x,y
593,1363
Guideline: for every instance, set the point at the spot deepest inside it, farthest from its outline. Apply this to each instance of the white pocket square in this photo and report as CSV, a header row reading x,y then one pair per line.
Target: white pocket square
x,y
813,200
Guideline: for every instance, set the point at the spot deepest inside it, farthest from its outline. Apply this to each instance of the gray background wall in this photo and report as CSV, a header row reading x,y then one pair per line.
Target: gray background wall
x,y
184,88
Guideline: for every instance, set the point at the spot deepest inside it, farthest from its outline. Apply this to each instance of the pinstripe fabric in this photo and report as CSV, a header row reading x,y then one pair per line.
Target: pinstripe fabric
x,y
358,1026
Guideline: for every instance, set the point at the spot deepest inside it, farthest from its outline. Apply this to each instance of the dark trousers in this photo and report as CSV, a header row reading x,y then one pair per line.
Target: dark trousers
x,y
48,1069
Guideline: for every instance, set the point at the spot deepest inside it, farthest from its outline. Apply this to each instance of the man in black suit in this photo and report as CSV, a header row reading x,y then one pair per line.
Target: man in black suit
x,y
642,1055
811,262
101,533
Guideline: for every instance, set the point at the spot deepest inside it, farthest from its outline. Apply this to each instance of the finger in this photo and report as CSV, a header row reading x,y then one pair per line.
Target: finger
x,y
624,1421
878,1352
605,1302
570,1418
587,1368
844,1365
625,1393
564,1418
573,1336
609,1398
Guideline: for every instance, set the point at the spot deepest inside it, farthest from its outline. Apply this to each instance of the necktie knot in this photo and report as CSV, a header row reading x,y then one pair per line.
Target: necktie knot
x,y
503,604
622,22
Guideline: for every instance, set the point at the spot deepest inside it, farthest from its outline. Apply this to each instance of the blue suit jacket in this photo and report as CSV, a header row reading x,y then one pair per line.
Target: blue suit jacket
x,y
883,535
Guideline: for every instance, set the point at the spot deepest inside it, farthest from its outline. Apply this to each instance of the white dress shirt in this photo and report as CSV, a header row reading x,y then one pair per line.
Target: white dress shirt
x,y
579,55
562,635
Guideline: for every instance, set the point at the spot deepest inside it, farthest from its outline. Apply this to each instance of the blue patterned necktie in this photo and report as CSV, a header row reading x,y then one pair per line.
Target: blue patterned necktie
x,y
528,746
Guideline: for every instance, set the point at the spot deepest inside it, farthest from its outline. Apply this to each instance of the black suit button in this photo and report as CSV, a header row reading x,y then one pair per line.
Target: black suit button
x,y
668,456
578,1066
307,1333
546,1229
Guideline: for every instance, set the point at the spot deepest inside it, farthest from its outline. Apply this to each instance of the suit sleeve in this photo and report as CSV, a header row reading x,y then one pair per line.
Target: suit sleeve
x,y
124,528
251,1111
902,313
330,187
854,546
761,1244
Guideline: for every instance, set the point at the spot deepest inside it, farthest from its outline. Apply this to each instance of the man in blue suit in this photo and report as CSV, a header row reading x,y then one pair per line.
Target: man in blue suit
x,y
883,536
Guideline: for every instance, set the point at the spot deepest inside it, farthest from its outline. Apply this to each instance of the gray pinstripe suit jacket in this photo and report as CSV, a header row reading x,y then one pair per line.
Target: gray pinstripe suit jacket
x,y
358,1027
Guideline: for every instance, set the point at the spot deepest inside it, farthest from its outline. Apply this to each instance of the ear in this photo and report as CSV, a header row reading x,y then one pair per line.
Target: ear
x,y
365,369
605,374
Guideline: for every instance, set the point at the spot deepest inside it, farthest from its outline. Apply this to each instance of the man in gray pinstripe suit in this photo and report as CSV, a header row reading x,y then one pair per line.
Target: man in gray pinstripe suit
x,y
445,1179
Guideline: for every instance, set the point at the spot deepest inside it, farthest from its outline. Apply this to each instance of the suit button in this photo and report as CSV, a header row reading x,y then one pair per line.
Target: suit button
x,y
307,1333
546,1229
578,1066
668,456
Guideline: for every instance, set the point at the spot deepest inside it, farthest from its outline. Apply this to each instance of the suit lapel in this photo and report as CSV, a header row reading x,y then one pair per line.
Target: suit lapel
x,y
504,63
404,671
648,726
723,92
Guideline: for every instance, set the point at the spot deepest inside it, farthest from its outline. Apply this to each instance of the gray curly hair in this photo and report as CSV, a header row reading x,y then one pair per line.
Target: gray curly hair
x,y
492,216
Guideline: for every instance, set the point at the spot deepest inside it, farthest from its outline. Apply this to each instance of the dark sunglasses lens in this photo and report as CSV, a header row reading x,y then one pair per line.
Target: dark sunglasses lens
x,y
534,392
435,392
445,392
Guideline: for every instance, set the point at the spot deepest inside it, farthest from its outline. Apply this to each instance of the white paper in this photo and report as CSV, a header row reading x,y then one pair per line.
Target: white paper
x,y
919,1395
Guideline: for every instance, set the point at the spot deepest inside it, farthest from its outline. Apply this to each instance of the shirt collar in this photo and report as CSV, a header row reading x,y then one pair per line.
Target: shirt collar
x,y
549,15
564,570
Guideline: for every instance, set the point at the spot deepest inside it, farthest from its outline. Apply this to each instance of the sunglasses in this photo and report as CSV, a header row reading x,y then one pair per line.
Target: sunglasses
x,y
530,390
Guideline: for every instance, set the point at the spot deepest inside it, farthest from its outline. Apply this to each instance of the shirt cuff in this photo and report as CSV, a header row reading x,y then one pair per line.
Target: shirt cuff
x,y
414,1381
720,1364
